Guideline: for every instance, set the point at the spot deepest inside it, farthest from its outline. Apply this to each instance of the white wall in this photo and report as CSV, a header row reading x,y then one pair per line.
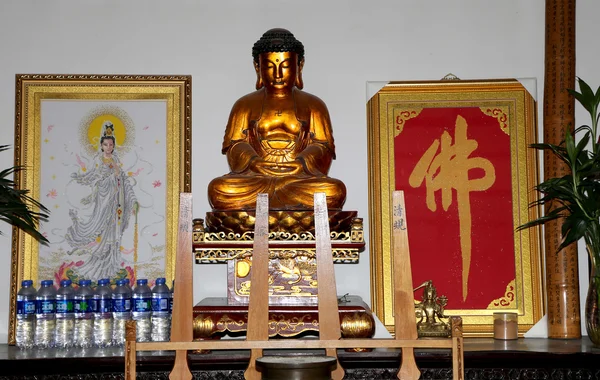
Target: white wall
x,y
347,44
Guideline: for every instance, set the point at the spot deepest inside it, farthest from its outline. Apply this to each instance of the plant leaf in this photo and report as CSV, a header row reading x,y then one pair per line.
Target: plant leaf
x,y
570,146
582,144
575,232
554,214
587,95
580,98
17,207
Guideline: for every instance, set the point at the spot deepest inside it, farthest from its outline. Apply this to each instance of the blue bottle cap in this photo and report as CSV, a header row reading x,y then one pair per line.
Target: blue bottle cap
x,y
85,282
142,281
126,281
26,283
120,282
161,281
47,283
103,281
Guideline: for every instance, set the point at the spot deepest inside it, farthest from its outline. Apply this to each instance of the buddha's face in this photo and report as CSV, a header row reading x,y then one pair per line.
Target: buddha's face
x,y
278,71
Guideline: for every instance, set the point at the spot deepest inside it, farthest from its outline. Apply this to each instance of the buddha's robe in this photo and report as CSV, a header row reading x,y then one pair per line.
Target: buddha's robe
x,y
298,133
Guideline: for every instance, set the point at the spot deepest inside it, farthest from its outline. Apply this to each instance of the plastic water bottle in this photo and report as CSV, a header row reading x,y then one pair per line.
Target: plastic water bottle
x,y
26,315
171,300
103,317
84,314
142,311
121,307
65,316
45,315
161,316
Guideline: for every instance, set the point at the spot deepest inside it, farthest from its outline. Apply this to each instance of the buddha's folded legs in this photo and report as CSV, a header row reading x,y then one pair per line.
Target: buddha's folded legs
x,y
239,192
298,193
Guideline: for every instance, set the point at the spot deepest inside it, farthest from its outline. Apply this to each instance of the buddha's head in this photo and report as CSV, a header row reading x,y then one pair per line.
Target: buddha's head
x,y
278,60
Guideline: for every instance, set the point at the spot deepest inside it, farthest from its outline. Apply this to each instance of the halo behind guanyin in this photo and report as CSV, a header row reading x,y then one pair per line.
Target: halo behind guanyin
x,y
92,126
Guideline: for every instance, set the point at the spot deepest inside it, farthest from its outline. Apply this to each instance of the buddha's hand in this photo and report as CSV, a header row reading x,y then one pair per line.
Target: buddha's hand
x,y
276,169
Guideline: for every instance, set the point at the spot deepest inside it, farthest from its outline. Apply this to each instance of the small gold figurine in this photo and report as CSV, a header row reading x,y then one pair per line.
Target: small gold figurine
x,y
278,138
430,312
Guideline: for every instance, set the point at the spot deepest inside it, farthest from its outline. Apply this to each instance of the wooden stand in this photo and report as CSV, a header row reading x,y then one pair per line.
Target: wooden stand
x,y
258,309
404,301
257,338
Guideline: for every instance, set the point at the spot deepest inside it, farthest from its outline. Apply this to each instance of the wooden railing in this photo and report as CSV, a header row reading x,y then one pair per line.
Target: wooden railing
x,y
257,338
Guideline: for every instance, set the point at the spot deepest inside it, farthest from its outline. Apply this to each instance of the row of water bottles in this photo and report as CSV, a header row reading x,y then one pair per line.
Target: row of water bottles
x,y
86,317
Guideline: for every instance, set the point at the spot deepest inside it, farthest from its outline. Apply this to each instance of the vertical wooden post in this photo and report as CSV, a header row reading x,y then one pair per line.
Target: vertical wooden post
x,y
404,300
562,277
329,317
258,308
181,322
130,354
458,367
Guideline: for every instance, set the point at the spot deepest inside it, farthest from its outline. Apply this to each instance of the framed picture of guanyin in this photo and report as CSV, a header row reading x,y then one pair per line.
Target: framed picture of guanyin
x,y
108,155
460,152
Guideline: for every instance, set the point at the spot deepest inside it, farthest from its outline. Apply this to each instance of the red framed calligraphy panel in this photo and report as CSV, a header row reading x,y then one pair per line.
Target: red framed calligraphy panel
x,y
459,150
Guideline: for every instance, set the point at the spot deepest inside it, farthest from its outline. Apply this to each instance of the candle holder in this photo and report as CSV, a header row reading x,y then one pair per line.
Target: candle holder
x,y
506,326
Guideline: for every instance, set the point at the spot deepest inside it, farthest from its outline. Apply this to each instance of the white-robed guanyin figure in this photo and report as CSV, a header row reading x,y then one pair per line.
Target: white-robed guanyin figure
x,y
114,202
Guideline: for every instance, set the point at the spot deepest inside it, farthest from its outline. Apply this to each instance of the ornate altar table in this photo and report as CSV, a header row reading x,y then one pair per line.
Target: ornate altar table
x,y
485,358
214,317
228,238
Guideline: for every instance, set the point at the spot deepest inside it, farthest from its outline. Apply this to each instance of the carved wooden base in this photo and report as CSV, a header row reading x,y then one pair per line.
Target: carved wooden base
x,y
295,222
214,318
228,238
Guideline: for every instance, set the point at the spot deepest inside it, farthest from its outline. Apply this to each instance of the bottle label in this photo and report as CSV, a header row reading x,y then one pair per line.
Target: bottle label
x,y
25,307
64,306
160,302
84,306
121,305
93,305
142,304
45,306
103,306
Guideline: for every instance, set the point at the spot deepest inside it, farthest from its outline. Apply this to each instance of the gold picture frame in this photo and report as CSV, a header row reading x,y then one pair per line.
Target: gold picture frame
x,y
460,151
108,155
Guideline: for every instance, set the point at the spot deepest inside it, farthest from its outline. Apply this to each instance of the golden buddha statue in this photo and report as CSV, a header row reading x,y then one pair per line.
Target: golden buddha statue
x,y
278,138
278,141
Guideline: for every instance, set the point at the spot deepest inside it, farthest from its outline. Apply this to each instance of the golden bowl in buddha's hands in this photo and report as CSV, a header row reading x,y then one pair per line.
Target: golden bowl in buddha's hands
x,y
278,147
279,168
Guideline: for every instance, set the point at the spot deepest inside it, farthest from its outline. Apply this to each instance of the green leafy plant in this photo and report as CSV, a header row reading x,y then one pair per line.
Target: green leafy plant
x,y
575,197
17,207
